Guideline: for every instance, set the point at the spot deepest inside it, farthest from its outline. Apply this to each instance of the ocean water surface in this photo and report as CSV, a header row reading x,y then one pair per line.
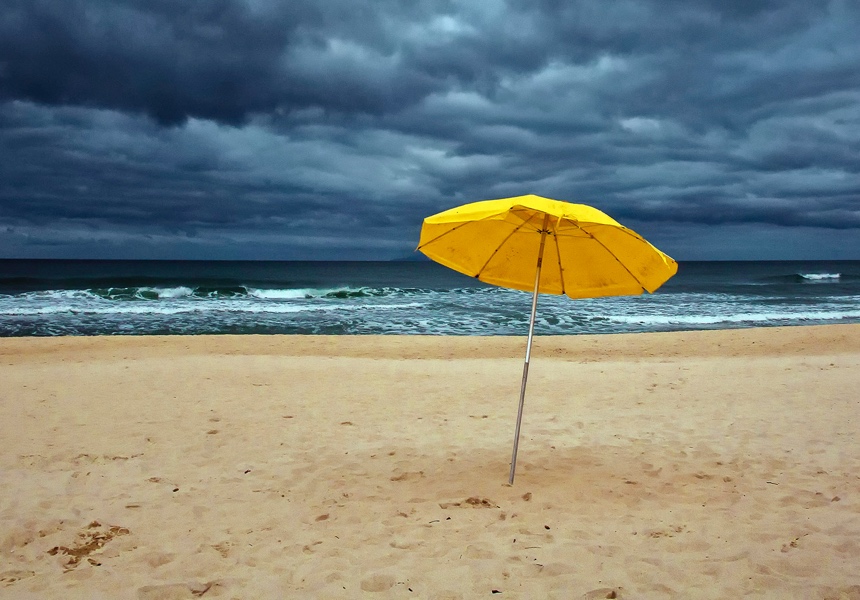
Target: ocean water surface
x,y
70,297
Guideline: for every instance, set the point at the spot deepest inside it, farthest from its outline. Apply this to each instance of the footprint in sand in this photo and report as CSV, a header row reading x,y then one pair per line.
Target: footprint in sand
x,y
401,544
223,548
7,578
157,559
602,593
671,531
474,551
407,476
378,583
851,592
89,540
473,502
175,591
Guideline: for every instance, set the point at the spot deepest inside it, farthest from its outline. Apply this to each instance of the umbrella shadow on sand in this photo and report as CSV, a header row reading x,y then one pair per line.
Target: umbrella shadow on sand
x,y
618,475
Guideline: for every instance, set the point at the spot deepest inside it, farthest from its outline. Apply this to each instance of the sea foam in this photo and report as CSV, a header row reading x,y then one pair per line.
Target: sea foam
x,y
821,277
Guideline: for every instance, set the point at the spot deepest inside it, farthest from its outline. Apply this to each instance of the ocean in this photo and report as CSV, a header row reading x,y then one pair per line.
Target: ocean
x,y
72,297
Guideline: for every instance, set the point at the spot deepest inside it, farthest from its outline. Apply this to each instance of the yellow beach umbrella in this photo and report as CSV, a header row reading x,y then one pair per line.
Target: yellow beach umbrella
x,y
541,245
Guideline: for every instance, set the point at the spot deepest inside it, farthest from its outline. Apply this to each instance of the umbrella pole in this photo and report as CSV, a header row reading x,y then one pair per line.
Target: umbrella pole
x,y
528,351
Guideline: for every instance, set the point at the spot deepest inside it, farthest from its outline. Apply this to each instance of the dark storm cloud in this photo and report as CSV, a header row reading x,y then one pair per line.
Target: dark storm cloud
x,y
227,59
229,121
221,60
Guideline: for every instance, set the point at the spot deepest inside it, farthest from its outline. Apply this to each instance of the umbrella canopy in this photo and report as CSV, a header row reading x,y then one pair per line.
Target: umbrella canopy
x,y
548,246
587,253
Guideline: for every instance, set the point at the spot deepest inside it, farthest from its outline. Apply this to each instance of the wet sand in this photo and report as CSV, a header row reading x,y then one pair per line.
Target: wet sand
x,y
717,464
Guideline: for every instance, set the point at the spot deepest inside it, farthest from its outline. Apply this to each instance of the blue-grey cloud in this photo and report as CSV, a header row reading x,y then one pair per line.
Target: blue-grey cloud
x,y
294,124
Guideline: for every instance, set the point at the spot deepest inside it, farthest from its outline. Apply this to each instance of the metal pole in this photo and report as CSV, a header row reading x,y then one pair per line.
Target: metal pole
x,y
528,350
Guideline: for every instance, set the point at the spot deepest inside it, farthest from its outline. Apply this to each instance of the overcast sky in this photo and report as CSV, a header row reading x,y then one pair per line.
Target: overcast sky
x,y
302,129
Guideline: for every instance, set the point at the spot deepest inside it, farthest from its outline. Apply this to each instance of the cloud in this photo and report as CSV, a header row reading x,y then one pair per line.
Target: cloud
x,y
307,122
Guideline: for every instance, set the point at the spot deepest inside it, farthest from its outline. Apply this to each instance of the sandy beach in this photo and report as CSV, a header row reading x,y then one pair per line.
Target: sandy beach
x,y
720,464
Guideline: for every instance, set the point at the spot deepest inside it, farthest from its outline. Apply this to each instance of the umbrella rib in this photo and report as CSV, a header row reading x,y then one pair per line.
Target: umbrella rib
x,y
612,254
453,229
560,267
503,242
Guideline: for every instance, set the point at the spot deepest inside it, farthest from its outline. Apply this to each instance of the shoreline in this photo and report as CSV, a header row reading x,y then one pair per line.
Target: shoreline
x,y
794,340
714,463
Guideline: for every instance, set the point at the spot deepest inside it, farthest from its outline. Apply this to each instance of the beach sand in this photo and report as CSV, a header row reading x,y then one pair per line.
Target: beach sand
x,y
720,464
